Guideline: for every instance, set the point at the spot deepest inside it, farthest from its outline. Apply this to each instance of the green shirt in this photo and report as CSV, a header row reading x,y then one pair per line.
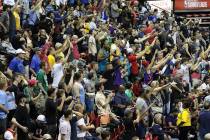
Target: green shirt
x,y
27,92
129,94
42,78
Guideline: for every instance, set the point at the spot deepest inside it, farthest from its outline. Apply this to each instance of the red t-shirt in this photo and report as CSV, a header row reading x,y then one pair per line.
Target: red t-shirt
x,y
134,65
137,89
147,31
44,59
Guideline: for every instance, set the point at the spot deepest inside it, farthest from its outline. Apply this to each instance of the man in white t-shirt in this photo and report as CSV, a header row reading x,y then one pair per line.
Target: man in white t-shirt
x,y
81,127
57,72
58,69
65,126
92,50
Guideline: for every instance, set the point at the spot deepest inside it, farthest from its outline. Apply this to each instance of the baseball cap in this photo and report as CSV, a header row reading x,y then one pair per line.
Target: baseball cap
x,y
129,50
41,118
47,136
36,49
32,82
58,45
20,51
8,135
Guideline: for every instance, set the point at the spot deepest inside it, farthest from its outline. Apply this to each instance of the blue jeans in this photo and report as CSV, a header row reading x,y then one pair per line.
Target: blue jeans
x,y
89,102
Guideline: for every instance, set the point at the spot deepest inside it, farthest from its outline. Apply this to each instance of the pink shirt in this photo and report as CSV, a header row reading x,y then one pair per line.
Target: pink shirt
x,y
75,51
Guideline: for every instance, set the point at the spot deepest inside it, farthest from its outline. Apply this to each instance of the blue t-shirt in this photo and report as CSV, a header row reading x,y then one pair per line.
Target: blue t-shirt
x,y
49,8
11,101
121,99
71,1
3,101
104,15
84,1
32,18
168,70
204,127
35,63
16,65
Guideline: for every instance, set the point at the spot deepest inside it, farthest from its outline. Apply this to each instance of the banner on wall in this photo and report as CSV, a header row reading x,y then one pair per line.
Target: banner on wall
x,y
9,2
191,5
161,5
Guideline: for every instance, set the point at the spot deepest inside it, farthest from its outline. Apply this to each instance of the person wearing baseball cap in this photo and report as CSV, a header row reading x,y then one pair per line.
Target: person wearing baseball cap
x,y
47,137
16,64
37,128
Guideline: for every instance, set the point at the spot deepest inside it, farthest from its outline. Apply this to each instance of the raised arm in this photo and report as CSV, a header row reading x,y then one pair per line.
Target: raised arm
x,y
181,35
67,56
15,6
2,25
38,5
144,38
63,48
162,62
60,107
186,46
70,84
207,51
196,65
140,54
153,42
152,61
161,88
80,39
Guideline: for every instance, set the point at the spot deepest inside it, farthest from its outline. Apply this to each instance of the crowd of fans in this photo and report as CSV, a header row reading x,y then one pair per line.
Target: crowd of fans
x,y
101,70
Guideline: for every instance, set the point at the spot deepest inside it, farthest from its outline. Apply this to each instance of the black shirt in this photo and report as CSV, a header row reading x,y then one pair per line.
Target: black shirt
x,y
15,89
37,129
22,117
73,128
108,85
51,111
129,129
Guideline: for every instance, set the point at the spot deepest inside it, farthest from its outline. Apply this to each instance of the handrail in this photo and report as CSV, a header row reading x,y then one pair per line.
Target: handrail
x,y
160,8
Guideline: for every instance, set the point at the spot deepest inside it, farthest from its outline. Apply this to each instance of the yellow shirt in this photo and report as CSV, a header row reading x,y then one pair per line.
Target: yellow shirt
x,y
17,20
114,49
61,55
87,27
148,49
184,117
51,60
